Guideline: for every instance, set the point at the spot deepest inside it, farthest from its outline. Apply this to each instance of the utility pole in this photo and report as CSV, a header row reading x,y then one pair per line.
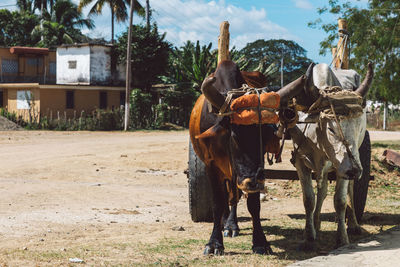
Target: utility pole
x,y
41,20
148,14
128,69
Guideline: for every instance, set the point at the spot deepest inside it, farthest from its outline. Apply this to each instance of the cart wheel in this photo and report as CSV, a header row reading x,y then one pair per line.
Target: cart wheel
x,y
360,189
200,195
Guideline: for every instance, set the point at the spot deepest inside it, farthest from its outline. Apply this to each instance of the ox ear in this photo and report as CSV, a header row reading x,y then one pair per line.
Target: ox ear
x,y
218,129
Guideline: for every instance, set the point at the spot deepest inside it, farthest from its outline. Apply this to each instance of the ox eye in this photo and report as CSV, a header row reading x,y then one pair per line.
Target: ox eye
x,y
331,130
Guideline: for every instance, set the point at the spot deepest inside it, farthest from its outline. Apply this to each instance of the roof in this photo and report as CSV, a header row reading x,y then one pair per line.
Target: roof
x,y
29,50
60,86
83,44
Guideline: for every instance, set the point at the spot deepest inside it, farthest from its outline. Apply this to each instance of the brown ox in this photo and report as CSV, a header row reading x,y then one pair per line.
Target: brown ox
x,y
231,152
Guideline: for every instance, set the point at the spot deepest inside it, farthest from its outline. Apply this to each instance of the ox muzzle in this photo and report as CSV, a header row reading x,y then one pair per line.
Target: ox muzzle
x,y
253,184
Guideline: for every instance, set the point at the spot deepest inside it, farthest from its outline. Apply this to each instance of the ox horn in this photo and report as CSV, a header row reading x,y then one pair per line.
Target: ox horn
x,y
211,93
362,90
292,89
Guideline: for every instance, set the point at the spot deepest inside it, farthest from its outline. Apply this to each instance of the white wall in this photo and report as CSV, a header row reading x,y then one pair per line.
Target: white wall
x,y
79,75
100,65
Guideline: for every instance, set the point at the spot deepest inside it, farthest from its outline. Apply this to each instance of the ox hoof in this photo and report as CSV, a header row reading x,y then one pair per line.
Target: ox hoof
x,y
235,233
307,246
231,233
263,250
209,250
227,233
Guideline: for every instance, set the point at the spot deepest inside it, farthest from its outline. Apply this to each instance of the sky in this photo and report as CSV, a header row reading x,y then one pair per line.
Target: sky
x,y
249,21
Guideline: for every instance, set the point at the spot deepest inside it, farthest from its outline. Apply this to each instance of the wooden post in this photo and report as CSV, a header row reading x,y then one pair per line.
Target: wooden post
x,y
223,42
128,69
342,63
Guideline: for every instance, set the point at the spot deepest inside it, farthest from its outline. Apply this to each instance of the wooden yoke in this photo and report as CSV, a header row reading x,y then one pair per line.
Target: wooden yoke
x,y
342,56
223,42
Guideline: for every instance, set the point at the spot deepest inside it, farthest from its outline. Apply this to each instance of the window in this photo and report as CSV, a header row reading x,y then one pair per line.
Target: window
x,y
24,99
72,64
70,99
103,100
9,66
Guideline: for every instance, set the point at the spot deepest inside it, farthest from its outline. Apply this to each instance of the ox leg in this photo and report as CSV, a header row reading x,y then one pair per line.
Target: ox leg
x,y
352,225
220,203
304,173
231,227
322,188
260,244
340,207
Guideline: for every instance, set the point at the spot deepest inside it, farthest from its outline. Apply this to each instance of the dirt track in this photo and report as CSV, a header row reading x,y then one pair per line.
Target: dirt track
x,y
60,190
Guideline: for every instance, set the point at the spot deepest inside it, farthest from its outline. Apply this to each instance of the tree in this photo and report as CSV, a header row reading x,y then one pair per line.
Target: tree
x,y
26,6
375,36
16,28
191,64
118,10
269,53
62,25
149,55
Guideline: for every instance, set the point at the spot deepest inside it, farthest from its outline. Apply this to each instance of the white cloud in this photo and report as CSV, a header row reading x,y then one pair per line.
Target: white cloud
x,y
194,20
303,4
199,20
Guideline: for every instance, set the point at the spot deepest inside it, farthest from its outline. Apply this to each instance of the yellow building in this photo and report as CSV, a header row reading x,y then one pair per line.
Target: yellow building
x,y
66,81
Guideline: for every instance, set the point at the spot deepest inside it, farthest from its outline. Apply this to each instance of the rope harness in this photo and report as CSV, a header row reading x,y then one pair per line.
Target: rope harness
x,y
226,111
338,104
244,90
344,39
334,103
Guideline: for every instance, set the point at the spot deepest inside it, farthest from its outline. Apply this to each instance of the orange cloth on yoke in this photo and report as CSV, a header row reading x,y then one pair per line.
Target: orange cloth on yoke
x,y
250,116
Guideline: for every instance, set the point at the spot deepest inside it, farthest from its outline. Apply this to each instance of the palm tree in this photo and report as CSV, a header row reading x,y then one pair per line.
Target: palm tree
x,y
26,6
44,5
192,63
118,10
62,26
67,14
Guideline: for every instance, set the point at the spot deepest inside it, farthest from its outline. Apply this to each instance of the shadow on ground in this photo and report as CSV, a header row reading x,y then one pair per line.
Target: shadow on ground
x,y
292,237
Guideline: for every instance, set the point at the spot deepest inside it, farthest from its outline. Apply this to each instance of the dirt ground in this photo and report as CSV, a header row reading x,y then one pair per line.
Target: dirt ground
x,y
109,197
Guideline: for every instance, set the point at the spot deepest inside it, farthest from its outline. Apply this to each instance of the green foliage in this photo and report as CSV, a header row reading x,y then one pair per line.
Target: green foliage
x,y
61,26
191,64
149,55
146,113
265,56
98,120
16,28
118,10
375,36
177,105
141,111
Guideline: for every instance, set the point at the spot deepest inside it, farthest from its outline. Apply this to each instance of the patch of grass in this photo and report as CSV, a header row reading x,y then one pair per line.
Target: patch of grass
x,y
165,246
394,145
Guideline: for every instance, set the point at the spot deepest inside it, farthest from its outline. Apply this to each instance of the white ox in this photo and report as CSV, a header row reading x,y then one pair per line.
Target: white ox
x,y
320,149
